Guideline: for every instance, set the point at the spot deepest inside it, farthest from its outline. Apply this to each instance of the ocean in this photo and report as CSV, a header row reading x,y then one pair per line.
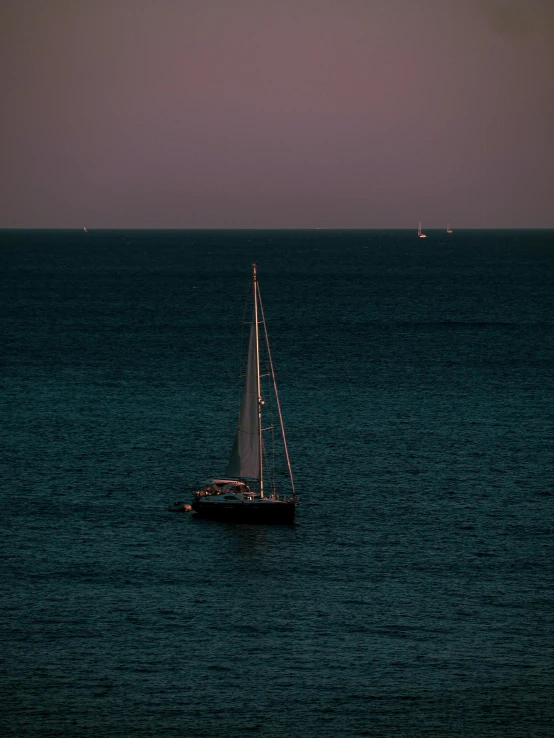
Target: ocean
x,y
414,596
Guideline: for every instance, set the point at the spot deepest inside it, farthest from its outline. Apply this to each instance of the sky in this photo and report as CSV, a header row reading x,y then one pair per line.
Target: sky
x,y
276,113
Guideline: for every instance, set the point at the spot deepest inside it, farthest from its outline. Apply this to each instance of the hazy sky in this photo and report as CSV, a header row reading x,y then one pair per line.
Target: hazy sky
x,y
276,113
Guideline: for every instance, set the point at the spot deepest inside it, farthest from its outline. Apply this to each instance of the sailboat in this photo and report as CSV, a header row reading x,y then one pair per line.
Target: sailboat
x,y
85,229
243,494
448,229
420,232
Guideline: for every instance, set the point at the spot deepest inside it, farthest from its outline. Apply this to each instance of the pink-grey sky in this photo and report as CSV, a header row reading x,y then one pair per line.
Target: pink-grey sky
x,y
277,113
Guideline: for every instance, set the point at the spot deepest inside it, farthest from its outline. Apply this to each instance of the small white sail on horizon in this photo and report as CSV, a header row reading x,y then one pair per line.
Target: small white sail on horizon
x,y
420,232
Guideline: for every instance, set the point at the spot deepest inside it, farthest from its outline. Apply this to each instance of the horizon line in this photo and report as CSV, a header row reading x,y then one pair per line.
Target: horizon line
x,y
269,228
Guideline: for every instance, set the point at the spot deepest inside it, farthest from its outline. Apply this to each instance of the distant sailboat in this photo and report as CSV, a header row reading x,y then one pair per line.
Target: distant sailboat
x,y
420,232
85,229
448,229
231,498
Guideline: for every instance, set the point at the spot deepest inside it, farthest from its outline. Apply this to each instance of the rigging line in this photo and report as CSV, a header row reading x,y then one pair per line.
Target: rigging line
x,y
273,473
269,445
271,467
276,393
255,295
269,410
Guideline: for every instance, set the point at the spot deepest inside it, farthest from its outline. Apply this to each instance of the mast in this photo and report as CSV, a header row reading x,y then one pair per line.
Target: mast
x,y
258,385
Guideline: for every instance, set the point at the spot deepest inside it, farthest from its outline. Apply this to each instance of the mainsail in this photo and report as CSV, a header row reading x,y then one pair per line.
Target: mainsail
x,y
245,455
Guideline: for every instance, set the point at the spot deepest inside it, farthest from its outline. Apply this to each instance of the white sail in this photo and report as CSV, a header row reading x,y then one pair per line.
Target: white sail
x,y
244,462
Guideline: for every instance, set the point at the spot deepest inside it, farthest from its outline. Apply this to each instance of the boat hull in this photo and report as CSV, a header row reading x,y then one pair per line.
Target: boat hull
x,y
279,513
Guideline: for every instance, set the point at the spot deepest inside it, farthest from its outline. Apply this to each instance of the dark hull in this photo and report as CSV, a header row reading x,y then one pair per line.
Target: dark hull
x,y
281,513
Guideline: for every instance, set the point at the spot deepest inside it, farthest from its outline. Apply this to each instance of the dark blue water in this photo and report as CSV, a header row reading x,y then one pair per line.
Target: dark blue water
x,y
415,595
